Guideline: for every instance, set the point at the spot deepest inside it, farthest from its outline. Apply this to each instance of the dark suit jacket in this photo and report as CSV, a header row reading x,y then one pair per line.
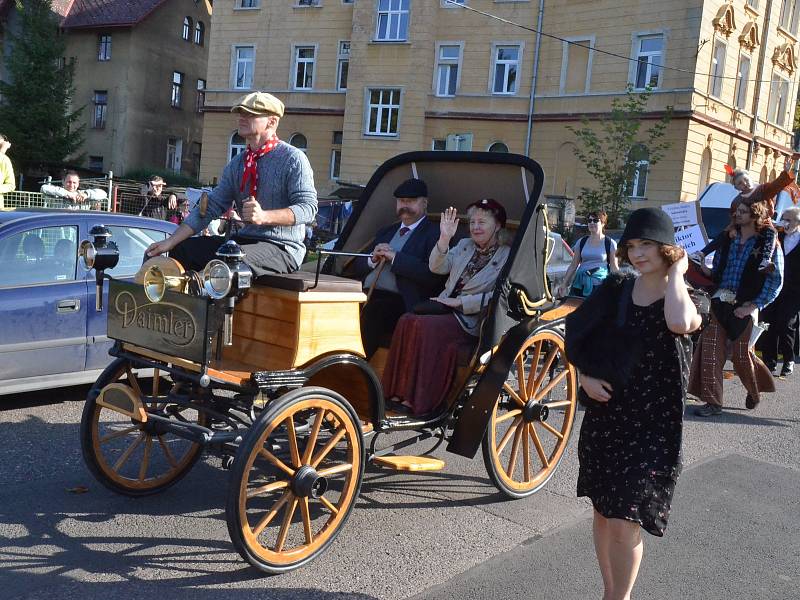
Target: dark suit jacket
x,y
788,301
410,266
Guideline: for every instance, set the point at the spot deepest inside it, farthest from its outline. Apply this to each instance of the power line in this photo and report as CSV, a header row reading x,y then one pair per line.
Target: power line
x,y
594,48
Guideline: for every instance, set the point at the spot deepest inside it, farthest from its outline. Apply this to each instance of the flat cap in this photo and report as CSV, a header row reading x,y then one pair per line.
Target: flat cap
x,y
411,188
259,103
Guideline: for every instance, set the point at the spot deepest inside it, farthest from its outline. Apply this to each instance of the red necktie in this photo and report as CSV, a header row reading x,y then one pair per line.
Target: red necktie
x,y
251,164
404,230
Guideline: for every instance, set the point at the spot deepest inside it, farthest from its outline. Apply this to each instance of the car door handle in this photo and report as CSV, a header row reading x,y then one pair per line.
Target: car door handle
x,y
68,306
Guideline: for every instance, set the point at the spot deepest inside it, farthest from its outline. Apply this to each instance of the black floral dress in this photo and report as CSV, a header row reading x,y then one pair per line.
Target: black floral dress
x,y
630,448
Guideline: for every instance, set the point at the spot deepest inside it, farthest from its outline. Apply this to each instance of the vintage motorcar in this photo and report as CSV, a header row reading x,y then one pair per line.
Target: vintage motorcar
x,y
51,334
269,374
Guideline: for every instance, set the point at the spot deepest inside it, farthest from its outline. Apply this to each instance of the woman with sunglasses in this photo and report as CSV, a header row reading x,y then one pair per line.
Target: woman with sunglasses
x,y
594,257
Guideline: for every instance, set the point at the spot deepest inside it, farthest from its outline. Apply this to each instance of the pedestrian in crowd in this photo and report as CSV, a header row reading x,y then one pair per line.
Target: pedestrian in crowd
x,y
742,291
69,196
782,314
593,258
397,272
271,186
155,203
630,343
766,192
7,181
179,214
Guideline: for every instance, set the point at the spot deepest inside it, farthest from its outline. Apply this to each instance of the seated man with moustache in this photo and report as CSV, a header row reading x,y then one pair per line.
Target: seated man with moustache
x,y
398,268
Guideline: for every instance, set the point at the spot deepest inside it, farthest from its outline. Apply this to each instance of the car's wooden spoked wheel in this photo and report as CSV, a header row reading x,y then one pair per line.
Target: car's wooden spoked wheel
x,y
532,419
133,457
295,480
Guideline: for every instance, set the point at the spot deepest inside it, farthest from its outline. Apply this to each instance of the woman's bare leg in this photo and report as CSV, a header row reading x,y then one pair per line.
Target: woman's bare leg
x,y
602,539
625,554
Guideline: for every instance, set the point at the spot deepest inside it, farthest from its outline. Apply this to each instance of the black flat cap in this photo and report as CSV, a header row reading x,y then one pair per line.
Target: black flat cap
x,y
649,224
411,188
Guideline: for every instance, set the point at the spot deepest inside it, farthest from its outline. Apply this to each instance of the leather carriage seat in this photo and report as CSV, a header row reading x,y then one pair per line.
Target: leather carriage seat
x,y
301,281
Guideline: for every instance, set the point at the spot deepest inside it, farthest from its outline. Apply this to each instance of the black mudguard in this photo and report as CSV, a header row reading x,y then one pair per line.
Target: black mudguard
x,y
474,417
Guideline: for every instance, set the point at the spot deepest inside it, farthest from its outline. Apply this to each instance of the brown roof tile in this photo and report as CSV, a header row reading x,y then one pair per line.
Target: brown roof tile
x,y
107,13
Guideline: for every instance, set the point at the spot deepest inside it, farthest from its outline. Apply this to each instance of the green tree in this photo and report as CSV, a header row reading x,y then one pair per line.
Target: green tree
x,y
36,111
612,152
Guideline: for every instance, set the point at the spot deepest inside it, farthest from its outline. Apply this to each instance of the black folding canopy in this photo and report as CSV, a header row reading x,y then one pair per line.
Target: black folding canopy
x,y
458,179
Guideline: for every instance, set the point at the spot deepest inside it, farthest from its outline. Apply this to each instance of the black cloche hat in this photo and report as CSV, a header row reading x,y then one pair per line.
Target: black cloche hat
x,y
411,188
649,224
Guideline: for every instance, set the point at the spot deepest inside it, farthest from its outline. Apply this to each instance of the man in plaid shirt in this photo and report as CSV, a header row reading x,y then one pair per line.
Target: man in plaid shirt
x,y
743,291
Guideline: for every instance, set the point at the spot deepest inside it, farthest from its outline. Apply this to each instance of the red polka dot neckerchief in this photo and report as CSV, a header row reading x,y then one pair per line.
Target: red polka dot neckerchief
x,y
251,164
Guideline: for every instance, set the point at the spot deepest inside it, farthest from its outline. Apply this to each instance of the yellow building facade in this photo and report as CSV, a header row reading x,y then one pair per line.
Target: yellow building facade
x,y
365,80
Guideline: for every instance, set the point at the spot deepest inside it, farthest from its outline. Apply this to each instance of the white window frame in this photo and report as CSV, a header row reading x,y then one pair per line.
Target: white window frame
x,y
187,29
235,65
104,47
342,57
199,33
176,97
200,98
461,142
391,13
496,46
308,3
239,148
239,5
773,108
177,154
636,39
297,62
492,143
642,166
446,4
716,79
449,62
586,41
303,149
333,176
742,82
99,109
381,107
788,18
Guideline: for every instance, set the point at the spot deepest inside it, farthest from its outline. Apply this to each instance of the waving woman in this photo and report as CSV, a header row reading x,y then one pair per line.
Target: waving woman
x,y
422,359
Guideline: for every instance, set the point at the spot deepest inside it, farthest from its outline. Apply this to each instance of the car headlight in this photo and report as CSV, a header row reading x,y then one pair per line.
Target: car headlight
x,y
217,279
87,253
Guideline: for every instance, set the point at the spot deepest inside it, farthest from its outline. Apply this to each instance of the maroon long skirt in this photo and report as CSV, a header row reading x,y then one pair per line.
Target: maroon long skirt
x,y
423,359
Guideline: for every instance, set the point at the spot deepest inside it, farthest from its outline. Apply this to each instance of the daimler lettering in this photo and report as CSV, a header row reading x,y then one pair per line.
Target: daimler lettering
x,y
177,325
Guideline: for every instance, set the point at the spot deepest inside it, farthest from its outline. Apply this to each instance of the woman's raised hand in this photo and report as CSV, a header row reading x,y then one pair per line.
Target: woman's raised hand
x,y
448,224
679,267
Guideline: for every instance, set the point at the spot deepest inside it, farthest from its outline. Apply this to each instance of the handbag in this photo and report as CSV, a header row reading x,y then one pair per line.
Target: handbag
x,y
431,307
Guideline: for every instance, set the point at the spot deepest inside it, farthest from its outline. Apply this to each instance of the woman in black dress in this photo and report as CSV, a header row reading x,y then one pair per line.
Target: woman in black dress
x,y
630,344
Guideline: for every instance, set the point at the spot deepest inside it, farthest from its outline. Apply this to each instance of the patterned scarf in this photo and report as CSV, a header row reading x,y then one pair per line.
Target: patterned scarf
x,y
480,258
251,164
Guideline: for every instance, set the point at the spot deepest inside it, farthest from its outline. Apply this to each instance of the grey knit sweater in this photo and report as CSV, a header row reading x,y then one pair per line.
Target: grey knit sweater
x,y
285,180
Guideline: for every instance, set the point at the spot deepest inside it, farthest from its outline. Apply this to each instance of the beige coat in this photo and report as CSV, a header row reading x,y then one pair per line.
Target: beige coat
x,y
478,291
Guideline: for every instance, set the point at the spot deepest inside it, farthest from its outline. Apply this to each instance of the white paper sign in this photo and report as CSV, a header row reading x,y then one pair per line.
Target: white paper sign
x,y
691,239
683,214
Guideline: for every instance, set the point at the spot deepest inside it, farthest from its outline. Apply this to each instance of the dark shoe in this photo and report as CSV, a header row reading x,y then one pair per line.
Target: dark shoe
x,y
398,407
771,366
708,410
750,403
787,369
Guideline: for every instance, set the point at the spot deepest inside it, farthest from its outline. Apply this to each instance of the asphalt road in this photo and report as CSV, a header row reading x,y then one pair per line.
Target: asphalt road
x,y
732,532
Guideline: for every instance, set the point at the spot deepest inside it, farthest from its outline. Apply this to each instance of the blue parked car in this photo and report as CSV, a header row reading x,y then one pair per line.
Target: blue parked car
x,y
51,335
